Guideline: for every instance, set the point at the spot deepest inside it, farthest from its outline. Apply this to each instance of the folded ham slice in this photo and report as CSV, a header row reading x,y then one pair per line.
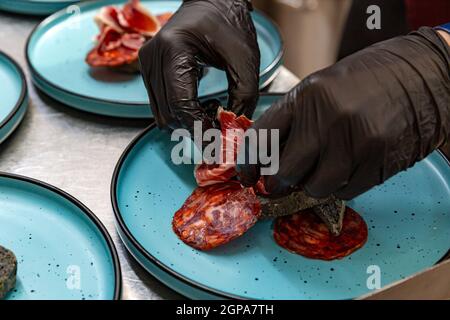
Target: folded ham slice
x,y
208,174
122,33
135,18
109,16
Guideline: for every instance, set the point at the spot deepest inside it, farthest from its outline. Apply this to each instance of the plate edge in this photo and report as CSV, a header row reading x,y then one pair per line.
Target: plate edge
x,y
90,215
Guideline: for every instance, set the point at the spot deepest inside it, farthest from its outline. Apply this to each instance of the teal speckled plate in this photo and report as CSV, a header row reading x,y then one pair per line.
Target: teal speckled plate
x,y
408,219
57,48
35,7
63,250
13,96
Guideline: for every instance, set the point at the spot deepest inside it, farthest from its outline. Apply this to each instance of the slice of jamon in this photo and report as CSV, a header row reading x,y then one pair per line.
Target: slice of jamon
x,y
133,41
216,214
304,233
108,16
123,31
136,18
115,49
232,129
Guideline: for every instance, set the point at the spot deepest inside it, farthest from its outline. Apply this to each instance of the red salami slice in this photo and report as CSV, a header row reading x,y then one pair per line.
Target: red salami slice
x,y
216,214
304,233
232,129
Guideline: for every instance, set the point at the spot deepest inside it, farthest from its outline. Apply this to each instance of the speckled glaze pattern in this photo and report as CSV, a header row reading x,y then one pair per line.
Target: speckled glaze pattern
x,y
13,96
62,249
58,47
408,219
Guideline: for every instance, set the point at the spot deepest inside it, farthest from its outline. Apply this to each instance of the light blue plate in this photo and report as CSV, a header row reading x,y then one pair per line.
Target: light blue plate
x,y
57,48
13,96
63,250
35,7
408,219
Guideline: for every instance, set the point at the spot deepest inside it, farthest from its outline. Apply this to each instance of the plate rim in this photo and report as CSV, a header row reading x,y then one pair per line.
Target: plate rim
x,y
123,227
61,12
100,226
23,91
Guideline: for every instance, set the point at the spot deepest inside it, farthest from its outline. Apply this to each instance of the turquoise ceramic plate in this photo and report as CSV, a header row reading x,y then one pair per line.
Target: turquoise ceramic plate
x,y
57,48
63,250
13,96
34,7
408,219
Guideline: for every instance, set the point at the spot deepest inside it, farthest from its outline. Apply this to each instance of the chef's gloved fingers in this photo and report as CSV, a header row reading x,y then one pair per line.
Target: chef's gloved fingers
x,y
150,65
277,117
248,168
240,52
243,89
300,153
297,160
172,81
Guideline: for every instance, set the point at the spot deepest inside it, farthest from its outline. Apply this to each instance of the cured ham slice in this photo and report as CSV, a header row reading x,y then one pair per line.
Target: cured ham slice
x,y
136,18
123,31
232,129
216,214
115,49
108,16
133,41
304,233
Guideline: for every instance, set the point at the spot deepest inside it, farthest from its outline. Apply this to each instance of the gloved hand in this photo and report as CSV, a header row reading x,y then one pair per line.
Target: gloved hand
x,y
353,125
219,33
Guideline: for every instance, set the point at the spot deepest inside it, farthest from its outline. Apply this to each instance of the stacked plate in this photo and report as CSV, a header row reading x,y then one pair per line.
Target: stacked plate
x,y
408,220
35,7
14,96
57,48
63,250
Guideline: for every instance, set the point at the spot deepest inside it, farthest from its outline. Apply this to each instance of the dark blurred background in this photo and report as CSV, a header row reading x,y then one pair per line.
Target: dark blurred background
x,y
318,32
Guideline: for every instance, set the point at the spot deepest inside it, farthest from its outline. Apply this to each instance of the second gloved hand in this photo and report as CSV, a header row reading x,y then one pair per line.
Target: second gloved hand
x,y
219,33
355,124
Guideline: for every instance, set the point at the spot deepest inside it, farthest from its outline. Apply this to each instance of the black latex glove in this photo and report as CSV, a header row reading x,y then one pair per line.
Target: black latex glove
x,y
353,125
219,33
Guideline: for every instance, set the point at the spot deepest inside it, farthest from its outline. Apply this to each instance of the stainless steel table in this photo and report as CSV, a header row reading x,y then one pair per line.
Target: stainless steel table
x,y
77,152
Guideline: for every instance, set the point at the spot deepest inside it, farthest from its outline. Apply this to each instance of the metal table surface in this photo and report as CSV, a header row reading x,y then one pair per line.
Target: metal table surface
x,y
77,152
